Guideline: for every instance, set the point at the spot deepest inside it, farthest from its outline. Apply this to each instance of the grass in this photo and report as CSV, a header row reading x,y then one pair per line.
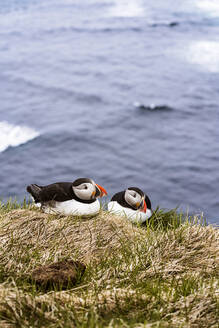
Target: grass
x,y
162,274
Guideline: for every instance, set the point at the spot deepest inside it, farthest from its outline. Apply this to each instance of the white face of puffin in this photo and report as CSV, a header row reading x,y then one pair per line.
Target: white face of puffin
x,y
85,191
134,199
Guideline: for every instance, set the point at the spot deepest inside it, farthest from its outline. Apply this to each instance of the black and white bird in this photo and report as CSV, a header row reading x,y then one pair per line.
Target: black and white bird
x,y
131,203
68,198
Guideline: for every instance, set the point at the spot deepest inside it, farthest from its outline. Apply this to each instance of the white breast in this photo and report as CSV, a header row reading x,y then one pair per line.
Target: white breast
x,y
132,215
72,207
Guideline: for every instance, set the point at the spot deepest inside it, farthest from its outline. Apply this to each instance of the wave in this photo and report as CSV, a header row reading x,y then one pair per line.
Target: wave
x,y
152,107
15,135
168,24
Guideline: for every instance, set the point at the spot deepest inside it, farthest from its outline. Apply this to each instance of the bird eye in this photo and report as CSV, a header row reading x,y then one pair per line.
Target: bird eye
x,y
85,187
134,195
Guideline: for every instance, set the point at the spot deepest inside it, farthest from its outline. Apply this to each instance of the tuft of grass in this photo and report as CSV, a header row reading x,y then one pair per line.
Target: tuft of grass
x,y
13,204
161,274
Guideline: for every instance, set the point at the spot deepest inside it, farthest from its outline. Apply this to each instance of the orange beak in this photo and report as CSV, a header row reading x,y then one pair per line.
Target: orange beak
x,y
144,208
103,192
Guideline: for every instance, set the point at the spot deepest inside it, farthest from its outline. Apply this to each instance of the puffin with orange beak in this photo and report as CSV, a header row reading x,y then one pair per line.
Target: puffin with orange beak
x,y
77,198
131,203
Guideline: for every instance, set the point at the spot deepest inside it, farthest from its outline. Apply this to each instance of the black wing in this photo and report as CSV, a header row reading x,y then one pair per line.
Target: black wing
x,y
148,202
60,192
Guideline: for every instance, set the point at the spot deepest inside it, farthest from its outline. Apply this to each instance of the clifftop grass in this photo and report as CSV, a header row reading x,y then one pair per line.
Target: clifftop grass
x,y
163,274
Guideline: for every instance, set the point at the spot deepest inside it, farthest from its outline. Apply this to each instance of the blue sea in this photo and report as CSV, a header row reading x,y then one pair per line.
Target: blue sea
x,y
123,91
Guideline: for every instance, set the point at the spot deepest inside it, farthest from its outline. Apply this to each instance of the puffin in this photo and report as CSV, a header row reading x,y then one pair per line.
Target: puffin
x,y
77,198
131,203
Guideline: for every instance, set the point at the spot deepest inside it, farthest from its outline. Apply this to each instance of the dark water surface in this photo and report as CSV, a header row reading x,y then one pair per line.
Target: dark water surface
x,y
125,92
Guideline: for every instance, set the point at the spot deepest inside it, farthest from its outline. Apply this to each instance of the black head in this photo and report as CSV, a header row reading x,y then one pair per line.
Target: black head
x,y
79,181
137,190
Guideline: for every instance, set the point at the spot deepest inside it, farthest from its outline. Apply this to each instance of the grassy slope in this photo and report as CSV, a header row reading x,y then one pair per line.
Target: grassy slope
x,y
161,275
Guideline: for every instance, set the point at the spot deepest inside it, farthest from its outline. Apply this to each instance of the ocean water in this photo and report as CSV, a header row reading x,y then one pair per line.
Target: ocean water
x,y
123,91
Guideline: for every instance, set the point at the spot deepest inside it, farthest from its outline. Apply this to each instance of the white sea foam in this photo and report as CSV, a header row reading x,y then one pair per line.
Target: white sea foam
x,y
15,135
205,54
127,8
209,6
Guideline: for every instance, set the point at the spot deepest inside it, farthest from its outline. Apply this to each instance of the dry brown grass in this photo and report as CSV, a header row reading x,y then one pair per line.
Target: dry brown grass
x,y
57,236
135,277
